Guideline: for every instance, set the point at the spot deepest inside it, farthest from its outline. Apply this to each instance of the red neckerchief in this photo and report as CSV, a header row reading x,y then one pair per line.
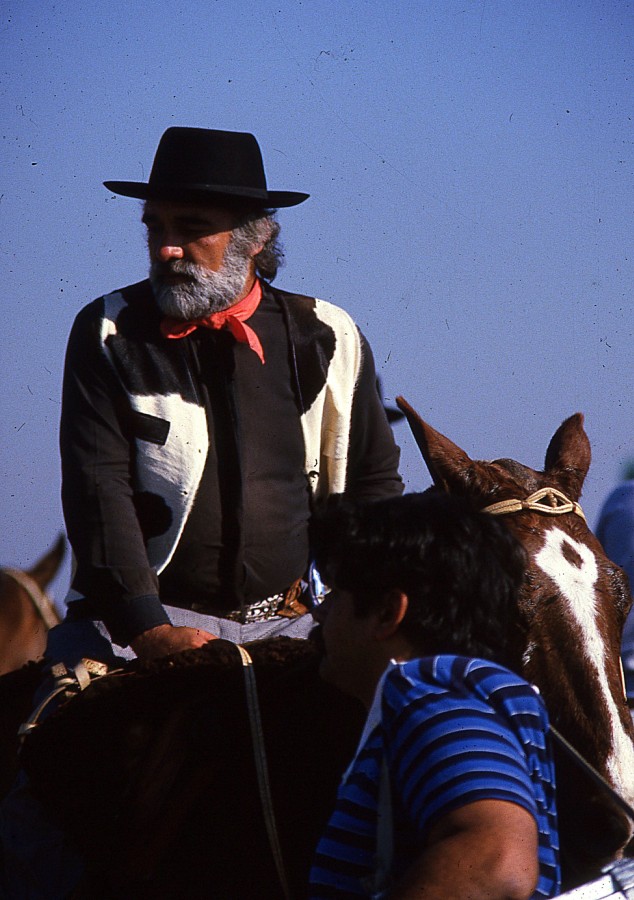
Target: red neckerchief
x,y
233,318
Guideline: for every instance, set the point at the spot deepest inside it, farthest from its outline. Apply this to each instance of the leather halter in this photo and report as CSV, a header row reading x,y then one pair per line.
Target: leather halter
x,y
547,500
39,598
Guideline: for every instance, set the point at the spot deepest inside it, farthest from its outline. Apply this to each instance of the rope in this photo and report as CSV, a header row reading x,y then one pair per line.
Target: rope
x,y
40,600
556,504
259,752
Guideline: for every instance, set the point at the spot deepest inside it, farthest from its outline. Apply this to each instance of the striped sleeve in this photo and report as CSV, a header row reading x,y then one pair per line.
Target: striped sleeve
x,y
344,855
448,751
480,735
453,731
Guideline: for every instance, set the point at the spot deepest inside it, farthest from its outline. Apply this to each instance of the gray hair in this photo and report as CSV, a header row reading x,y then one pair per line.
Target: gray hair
x,y
261,227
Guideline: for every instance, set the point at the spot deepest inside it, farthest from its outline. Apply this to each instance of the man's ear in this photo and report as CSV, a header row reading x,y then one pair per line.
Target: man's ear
x,y
393,610
264,224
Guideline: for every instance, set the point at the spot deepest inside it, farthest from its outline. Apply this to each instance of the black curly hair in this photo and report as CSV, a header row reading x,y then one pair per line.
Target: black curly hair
x,y
461,569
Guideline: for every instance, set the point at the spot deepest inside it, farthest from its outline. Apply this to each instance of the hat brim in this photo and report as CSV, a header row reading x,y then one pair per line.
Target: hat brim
x,y
197,192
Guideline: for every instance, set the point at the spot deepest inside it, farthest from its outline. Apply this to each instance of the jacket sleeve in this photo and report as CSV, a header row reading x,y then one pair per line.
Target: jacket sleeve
x,y
373,454
97,451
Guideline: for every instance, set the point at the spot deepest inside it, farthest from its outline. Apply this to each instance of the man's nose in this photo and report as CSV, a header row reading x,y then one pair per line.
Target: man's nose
x,y
167,251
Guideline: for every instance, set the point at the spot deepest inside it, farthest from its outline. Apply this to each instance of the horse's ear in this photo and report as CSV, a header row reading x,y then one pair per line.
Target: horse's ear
x,y
568,456
46,568
449,466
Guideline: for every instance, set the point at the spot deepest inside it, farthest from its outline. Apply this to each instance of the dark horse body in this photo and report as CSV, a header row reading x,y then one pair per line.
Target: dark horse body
x,y
573,606
151,771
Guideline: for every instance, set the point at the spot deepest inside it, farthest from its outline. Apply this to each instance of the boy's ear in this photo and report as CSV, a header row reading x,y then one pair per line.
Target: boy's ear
x,y
393,611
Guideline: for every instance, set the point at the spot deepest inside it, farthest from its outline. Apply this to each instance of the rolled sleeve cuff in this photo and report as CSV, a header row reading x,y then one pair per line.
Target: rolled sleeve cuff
x,y
134,616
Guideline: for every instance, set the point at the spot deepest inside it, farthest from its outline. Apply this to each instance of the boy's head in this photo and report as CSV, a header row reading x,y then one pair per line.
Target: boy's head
x,y
444,575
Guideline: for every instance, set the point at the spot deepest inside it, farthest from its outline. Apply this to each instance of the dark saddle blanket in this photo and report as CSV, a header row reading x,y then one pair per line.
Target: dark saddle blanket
x,y
151,770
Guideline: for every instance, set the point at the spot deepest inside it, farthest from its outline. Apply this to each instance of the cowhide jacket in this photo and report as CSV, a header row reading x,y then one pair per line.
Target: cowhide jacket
x,y
153,383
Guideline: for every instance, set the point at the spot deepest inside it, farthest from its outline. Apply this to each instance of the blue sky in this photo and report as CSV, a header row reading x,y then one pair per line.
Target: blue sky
x,y
471,171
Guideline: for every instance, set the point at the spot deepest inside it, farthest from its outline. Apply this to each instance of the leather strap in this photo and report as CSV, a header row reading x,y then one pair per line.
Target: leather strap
x,y
259,753
40,600
67,682
592,773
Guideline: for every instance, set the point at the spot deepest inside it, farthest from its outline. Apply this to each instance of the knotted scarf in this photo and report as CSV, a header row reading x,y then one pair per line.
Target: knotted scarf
x,y
234,318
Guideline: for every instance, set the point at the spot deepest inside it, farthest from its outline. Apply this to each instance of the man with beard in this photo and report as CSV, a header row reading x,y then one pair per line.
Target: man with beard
x,y
204,411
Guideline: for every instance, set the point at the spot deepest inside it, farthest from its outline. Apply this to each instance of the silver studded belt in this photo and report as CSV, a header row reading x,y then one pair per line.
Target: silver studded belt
x,y
256,612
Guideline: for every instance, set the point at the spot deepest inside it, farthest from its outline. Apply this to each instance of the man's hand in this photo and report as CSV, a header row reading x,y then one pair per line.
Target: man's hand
x,y
486,850
166,639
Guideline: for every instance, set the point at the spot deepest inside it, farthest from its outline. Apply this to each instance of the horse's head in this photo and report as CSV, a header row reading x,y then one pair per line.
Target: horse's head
x,y
26,611
573,604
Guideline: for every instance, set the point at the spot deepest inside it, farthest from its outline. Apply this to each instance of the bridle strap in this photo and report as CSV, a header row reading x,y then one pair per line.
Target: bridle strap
x,y
547,500
259,753
591,772
39,598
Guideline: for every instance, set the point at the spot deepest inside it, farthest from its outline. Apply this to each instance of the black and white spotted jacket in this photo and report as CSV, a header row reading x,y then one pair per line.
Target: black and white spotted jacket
x,y
141,397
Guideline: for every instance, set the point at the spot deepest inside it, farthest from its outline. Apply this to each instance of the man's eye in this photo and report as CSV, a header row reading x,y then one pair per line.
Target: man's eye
x,y
197,229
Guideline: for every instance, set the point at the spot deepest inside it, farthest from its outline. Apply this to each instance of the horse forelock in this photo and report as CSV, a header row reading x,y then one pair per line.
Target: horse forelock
x,y
508,475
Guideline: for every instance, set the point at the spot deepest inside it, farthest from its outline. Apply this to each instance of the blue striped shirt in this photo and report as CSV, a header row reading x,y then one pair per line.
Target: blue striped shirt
x,y
452,730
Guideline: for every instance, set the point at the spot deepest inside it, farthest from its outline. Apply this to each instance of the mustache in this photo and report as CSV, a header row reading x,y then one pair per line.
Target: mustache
x,y
161,270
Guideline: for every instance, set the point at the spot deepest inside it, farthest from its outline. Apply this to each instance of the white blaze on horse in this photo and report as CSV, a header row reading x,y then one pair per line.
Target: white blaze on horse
x,y
26,611
573,606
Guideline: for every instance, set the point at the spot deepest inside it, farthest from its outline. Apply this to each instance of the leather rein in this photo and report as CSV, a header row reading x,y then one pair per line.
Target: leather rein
x,y
39,598
261,765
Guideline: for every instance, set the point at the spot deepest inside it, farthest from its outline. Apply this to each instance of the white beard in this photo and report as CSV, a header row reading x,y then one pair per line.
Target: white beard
x,y
206,292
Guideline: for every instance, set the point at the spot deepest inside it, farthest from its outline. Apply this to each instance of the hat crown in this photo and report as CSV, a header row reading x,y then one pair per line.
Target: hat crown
x,y
205,164
208,157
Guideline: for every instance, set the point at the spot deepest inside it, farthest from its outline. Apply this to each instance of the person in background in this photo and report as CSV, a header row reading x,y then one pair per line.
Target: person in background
x,y
615,530
451,792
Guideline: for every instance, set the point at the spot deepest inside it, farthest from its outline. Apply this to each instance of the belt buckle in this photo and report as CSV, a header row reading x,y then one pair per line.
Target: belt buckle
x,y
262,610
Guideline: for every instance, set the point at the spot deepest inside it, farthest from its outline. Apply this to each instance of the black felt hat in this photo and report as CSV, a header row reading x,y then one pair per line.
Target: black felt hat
x,y
203,163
